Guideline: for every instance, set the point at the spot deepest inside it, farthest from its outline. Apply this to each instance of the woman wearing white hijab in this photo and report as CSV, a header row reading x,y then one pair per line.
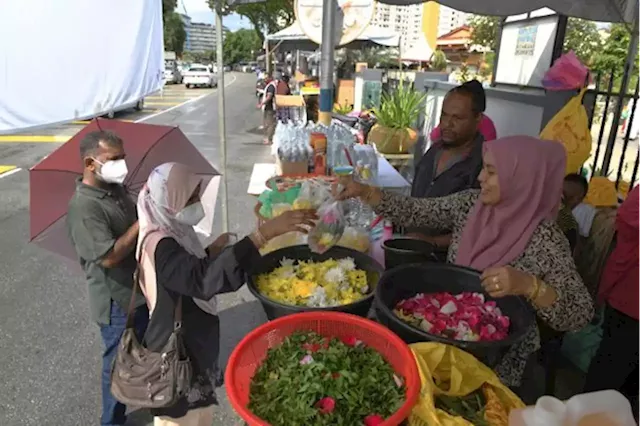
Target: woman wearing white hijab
x,y
173,263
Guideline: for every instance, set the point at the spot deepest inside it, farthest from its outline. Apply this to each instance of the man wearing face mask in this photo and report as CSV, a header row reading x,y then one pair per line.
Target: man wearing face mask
x,y
103,228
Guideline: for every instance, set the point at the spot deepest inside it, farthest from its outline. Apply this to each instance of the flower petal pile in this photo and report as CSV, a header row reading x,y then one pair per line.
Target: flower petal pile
x,y
315,284
466,316
315,381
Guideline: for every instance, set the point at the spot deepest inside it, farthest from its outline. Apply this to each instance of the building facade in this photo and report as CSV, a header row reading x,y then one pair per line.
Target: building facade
x,y
404,20
186,21
449,19
202,37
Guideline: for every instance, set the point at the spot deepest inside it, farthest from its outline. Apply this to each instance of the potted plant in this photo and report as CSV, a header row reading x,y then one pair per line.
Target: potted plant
x,y
398,112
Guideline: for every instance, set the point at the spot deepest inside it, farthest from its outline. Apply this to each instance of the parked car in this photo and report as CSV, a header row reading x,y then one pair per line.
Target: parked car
x,y
199,75
172,76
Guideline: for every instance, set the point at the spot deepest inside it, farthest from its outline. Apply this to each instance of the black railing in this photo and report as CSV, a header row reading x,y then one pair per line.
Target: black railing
x,y
604,102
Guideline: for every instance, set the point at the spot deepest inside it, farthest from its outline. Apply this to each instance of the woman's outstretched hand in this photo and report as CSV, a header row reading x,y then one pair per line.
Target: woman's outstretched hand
x,y
348,188
292,220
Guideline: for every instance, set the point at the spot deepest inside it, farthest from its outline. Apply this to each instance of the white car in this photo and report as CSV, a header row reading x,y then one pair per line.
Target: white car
x,y
199,75
172,76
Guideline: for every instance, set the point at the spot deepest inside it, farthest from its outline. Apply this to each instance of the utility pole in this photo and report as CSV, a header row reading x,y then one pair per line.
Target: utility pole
x,y
221,118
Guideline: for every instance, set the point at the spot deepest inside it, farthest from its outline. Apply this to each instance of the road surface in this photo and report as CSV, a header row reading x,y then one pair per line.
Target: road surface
x,y
49,349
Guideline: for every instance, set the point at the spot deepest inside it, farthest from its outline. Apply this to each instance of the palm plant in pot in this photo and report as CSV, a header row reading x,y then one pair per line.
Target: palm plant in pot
x,y
397,114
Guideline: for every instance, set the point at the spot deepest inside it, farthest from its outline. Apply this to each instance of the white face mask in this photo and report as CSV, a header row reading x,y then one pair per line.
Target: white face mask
x,y
113,171
191,215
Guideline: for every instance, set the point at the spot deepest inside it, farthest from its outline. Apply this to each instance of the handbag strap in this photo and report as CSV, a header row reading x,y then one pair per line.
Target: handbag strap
x,y
136,283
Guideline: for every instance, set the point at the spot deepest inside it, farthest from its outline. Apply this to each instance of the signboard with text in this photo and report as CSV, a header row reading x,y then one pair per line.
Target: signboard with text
x,y
526,42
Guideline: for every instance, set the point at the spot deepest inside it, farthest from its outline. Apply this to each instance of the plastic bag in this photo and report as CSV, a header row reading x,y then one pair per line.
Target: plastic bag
x,y
270,198
285,240
356,239
305,196
329,229
566,73
447,370
366,164
570,127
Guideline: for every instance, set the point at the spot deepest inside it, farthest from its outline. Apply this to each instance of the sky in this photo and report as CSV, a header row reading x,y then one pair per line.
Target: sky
x,y
199,11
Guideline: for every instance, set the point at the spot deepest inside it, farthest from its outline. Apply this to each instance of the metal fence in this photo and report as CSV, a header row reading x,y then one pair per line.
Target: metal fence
x,y
614,152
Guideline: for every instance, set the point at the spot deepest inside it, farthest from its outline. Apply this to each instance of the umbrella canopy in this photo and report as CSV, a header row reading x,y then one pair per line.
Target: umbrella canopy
x,y
420,52
52,182
293,37
595,10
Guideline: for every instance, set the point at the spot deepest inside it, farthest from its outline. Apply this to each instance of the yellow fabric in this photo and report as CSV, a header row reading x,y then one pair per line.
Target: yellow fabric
x,y
570,127
196,417
602,192
442,365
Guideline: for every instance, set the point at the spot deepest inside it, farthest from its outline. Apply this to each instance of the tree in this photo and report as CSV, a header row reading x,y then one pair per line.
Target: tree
x,y
484,31
240,46
613,56
439,61
267,17
174,33
583,38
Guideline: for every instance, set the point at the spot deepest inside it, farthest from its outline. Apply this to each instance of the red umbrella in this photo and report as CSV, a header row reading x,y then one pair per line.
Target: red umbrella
x,y
52,182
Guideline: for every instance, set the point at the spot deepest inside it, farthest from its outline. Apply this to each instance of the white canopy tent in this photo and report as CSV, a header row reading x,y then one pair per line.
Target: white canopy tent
x,y
292,38
595,10
420,52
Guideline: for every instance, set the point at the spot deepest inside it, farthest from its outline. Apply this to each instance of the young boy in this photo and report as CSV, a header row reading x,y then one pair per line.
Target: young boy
x,y
574,191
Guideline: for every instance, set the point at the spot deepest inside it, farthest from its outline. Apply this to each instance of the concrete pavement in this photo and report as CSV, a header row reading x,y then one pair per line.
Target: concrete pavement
x,y
49,349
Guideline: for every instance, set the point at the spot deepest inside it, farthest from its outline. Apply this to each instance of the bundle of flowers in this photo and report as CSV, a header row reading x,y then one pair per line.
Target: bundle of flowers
x,y
466,316
314,284
312,380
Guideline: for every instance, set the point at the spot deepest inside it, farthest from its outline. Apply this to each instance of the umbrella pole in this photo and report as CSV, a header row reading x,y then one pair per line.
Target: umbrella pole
x,y
326,61
221,119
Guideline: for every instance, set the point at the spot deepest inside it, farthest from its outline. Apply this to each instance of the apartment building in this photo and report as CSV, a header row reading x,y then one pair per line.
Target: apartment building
x,y
202,37
449,19
404,20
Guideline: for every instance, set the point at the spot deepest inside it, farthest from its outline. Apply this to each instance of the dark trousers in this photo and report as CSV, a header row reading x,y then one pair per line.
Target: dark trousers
x,y
270,123
615,365
113,412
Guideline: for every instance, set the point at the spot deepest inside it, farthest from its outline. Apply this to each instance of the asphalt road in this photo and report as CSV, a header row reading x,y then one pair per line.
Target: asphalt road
x,y
49,348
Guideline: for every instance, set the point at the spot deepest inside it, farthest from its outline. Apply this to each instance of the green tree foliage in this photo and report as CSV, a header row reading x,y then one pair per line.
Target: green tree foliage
x,y
612,57
174,33
485,31
173,27
267,17
240,46
583,38
439,61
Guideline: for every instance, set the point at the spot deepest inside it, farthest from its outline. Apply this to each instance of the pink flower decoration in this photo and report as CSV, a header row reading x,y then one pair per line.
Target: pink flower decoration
x,y
308,359
326,405
373,420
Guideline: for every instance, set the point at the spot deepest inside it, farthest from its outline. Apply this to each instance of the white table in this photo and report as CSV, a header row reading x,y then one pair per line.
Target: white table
x,y
388,177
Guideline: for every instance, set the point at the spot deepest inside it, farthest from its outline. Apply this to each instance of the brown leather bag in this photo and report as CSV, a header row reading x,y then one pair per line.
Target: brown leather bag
x,y
147,379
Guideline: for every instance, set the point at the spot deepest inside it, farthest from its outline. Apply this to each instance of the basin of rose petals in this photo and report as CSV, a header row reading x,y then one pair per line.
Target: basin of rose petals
x,y
465,316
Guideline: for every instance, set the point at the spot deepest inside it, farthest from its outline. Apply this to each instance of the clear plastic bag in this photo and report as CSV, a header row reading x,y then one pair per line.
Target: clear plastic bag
x,y
305,196
329,229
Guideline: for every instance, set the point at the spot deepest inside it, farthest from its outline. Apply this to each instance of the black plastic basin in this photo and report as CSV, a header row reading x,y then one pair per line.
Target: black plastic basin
x,y
406,281
403,251
272,260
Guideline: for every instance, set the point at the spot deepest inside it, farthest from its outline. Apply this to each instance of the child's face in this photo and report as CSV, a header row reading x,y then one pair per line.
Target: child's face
x,y
572,194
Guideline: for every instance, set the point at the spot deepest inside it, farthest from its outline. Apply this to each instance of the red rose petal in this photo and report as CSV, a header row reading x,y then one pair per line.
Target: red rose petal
x,y
326,405
373,420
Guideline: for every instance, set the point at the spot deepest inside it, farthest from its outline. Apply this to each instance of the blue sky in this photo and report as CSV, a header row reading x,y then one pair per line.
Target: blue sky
x,y
199,11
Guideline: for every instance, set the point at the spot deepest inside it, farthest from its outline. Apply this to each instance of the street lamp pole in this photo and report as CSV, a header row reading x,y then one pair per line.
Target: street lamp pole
x,y
221,118
329,11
